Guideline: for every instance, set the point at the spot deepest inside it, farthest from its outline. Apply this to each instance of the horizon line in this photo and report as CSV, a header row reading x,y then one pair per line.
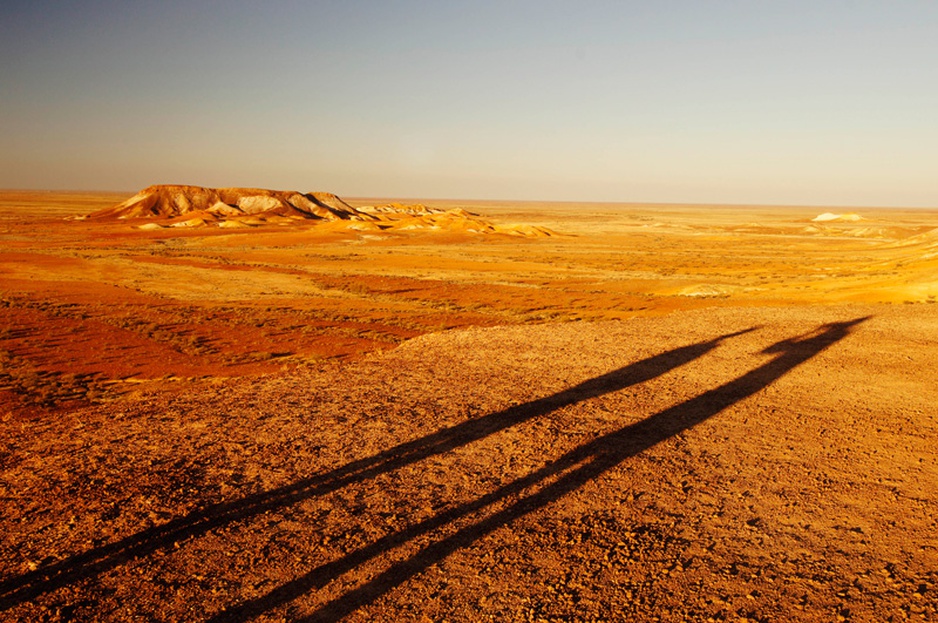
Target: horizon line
x,y
656,203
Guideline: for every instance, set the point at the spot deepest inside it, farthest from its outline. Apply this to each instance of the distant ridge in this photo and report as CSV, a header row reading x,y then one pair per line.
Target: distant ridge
x,y
172,201
830,216
165,205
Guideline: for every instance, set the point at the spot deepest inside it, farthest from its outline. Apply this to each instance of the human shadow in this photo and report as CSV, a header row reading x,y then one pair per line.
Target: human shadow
x,y
548,484
30,585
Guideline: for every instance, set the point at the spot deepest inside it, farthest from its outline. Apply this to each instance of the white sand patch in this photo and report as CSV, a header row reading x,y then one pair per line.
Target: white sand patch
x,y
192,222
705,291
830,216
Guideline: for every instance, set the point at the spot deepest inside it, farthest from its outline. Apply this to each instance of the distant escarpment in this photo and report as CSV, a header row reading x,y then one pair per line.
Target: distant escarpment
x,y
159,206
219,204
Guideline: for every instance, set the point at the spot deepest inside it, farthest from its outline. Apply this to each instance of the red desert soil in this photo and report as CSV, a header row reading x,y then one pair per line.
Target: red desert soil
x,y
666,413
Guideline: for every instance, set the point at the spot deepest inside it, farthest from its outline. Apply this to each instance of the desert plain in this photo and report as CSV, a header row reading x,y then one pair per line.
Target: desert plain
x,y
504,411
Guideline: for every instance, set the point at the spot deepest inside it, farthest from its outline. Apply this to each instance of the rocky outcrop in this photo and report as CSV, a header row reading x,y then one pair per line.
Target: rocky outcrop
x,y
173,201
162,206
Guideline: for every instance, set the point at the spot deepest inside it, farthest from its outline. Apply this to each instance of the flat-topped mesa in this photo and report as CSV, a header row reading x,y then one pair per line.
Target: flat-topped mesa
x,y
173,201
166,205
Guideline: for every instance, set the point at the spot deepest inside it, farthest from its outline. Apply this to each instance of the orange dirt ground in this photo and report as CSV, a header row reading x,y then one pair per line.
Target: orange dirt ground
x,y
661,413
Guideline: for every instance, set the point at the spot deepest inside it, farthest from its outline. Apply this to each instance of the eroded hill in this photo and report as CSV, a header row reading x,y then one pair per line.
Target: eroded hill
x,y
159,206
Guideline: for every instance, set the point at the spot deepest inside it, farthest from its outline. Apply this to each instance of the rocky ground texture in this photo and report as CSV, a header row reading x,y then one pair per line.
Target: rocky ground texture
x,y
725,464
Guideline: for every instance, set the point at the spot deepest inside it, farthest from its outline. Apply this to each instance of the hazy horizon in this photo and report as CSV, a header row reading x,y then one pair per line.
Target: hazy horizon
x,y
762,103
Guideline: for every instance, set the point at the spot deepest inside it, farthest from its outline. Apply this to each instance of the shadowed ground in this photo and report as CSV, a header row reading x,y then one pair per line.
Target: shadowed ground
x,y
720,441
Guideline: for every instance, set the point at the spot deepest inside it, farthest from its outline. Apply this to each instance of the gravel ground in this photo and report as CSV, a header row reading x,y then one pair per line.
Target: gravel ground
x,y
760,464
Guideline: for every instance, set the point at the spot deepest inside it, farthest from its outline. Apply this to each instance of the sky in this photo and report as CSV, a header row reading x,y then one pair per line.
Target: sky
x,y
829,102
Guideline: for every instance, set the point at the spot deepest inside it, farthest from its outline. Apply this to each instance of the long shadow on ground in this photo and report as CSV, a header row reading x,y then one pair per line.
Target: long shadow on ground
x,y
558,478
534,491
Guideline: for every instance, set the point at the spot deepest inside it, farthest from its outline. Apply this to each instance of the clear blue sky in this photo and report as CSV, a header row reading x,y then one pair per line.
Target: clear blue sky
x,y
829,102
